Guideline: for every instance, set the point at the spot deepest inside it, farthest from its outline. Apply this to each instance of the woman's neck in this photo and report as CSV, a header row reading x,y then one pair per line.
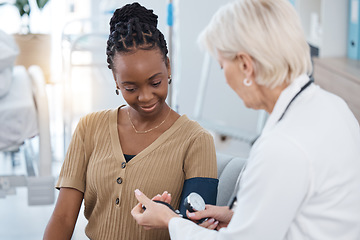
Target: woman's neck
x,y
271,96
144,125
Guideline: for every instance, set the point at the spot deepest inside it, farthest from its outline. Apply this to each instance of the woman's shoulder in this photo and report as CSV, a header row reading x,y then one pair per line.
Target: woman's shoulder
x,y
97,117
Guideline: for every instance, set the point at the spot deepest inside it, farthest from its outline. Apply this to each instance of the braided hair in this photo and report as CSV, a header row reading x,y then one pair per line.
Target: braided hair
x,y
134,27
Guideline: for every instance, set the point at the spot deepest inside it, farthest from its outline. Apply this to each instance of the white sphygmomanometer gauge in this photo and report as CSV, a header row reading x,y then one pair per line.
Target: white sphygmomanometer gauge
x,y
194,202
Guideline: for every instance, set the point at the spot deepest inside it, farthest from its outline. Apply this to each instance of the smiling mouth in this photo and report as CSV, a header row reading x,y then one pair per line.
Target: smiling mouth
x,y
148,108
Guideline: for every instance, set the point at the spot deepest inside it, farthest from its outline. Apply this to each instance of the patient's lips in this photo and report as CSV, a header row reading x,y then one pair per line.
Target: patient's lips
x,y
149,108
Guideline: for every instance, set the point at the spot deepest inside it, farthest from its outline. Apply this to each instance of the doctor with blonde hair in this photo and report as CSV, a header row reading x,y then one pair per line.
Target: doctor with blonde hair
x,y
302,178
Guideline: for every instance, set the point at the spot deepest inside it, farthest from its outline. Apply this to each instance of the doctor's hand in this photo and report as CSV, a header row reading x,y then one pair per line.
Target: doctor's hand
x,y
218,216
156,215
165,197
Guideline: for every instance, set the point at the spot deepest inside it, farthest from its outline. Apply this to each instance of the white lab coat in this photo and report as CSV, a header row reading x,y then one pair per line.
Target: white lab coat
x,y
302,179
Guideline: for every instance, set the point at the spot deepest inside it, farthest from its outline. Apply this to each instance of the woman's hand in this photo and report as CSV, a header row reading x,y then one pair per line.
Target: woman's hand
x,y
218,216
156,215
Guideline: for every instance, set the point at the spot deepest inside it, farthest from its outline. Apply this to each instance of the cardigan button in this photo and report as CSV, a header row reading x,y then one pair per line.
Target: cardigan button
x,y
119,180
117,201
123,164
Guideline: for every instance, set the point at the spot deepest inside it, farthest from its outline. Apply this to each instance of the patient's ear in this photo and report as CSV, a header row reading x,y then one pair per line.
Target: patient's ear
x,y
115,80
168,66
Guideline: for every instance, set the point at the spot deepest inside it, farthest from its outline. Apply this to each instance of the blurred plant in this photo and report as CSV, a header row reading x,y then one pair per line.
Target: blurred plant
x,y
24,8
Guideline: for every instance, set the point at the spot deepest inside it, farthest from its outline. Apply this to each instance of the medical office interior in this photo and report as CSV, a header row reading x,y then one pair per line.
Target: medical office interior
x,y
46,88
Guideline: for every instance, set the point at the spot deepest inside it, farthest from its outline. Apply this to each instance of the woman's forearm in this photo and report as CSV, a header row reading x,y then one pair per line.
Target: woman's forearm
x,y
59,228
62,222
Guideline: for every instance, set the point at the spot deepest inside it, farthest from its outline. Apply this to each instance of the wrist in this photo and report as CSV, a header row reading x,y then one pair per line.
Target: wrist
x,y
170,216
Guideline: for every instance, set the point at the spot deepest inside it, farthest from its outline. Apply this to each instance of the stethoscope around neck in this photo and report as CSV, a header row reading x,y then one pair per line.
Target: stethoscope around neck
x,y
232,204
296,95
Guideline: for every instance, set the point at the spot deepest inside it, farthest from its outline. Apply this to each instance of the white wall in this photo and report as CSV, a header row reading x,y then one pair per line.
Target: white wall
x,y
222,106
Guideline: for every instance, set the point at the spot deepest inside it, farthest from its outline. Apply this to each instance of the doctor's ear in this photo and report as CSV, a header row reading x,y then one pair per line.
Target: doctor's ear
x,y
245,63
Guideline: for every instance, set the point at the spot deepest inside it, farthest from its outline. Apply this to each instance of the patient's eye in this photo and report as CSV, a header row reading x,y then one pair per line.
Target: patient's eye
x,y
156,84
130,89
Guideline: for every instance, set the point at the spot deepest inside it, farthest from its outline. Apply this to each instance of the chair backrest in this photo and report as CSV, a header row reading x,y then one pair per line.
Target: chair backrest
x,y
41,102
229,168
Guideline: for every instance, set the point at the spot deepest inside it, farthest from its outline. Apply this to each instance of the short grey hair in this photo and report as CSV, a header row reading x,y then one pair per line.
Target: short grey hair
x,y
269,31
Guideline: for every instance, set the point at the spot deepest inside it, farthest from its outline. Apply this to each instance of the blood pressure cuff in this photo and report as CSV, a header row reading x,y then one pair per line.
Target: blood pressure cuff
x,y
206,187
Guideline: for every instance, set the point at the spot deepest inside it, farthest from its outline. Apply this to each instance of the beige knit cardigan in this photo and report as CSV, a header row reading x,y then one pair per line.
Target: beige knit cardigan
x,y
95,165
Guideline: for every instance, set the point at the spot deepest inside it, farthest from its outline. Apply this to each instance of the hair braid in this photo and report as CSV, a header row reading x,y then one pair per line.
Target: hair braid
x,y
134,27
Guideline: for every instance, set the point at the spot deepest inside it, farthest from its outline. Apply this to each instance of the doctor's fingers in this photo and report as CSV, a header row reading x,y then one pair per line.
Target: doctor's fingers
x,y
137,213
143,217
166,197
210,223
209,212
142,198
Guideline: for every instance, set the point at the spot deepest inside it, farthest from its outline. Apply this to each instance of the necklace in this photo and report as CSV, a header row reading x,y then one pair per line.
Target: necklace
x,y
149,130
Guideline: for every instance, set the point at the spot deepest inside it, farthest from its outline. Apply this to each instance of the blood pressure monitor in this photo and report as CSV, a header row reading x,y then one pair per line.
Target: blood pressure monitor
x,y
194,202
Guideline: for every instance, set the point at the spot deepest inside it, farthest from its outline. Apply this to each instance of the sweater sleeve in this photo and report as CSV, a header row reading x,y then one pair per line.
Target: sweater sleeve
x,y
200,171
200,160
73,171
